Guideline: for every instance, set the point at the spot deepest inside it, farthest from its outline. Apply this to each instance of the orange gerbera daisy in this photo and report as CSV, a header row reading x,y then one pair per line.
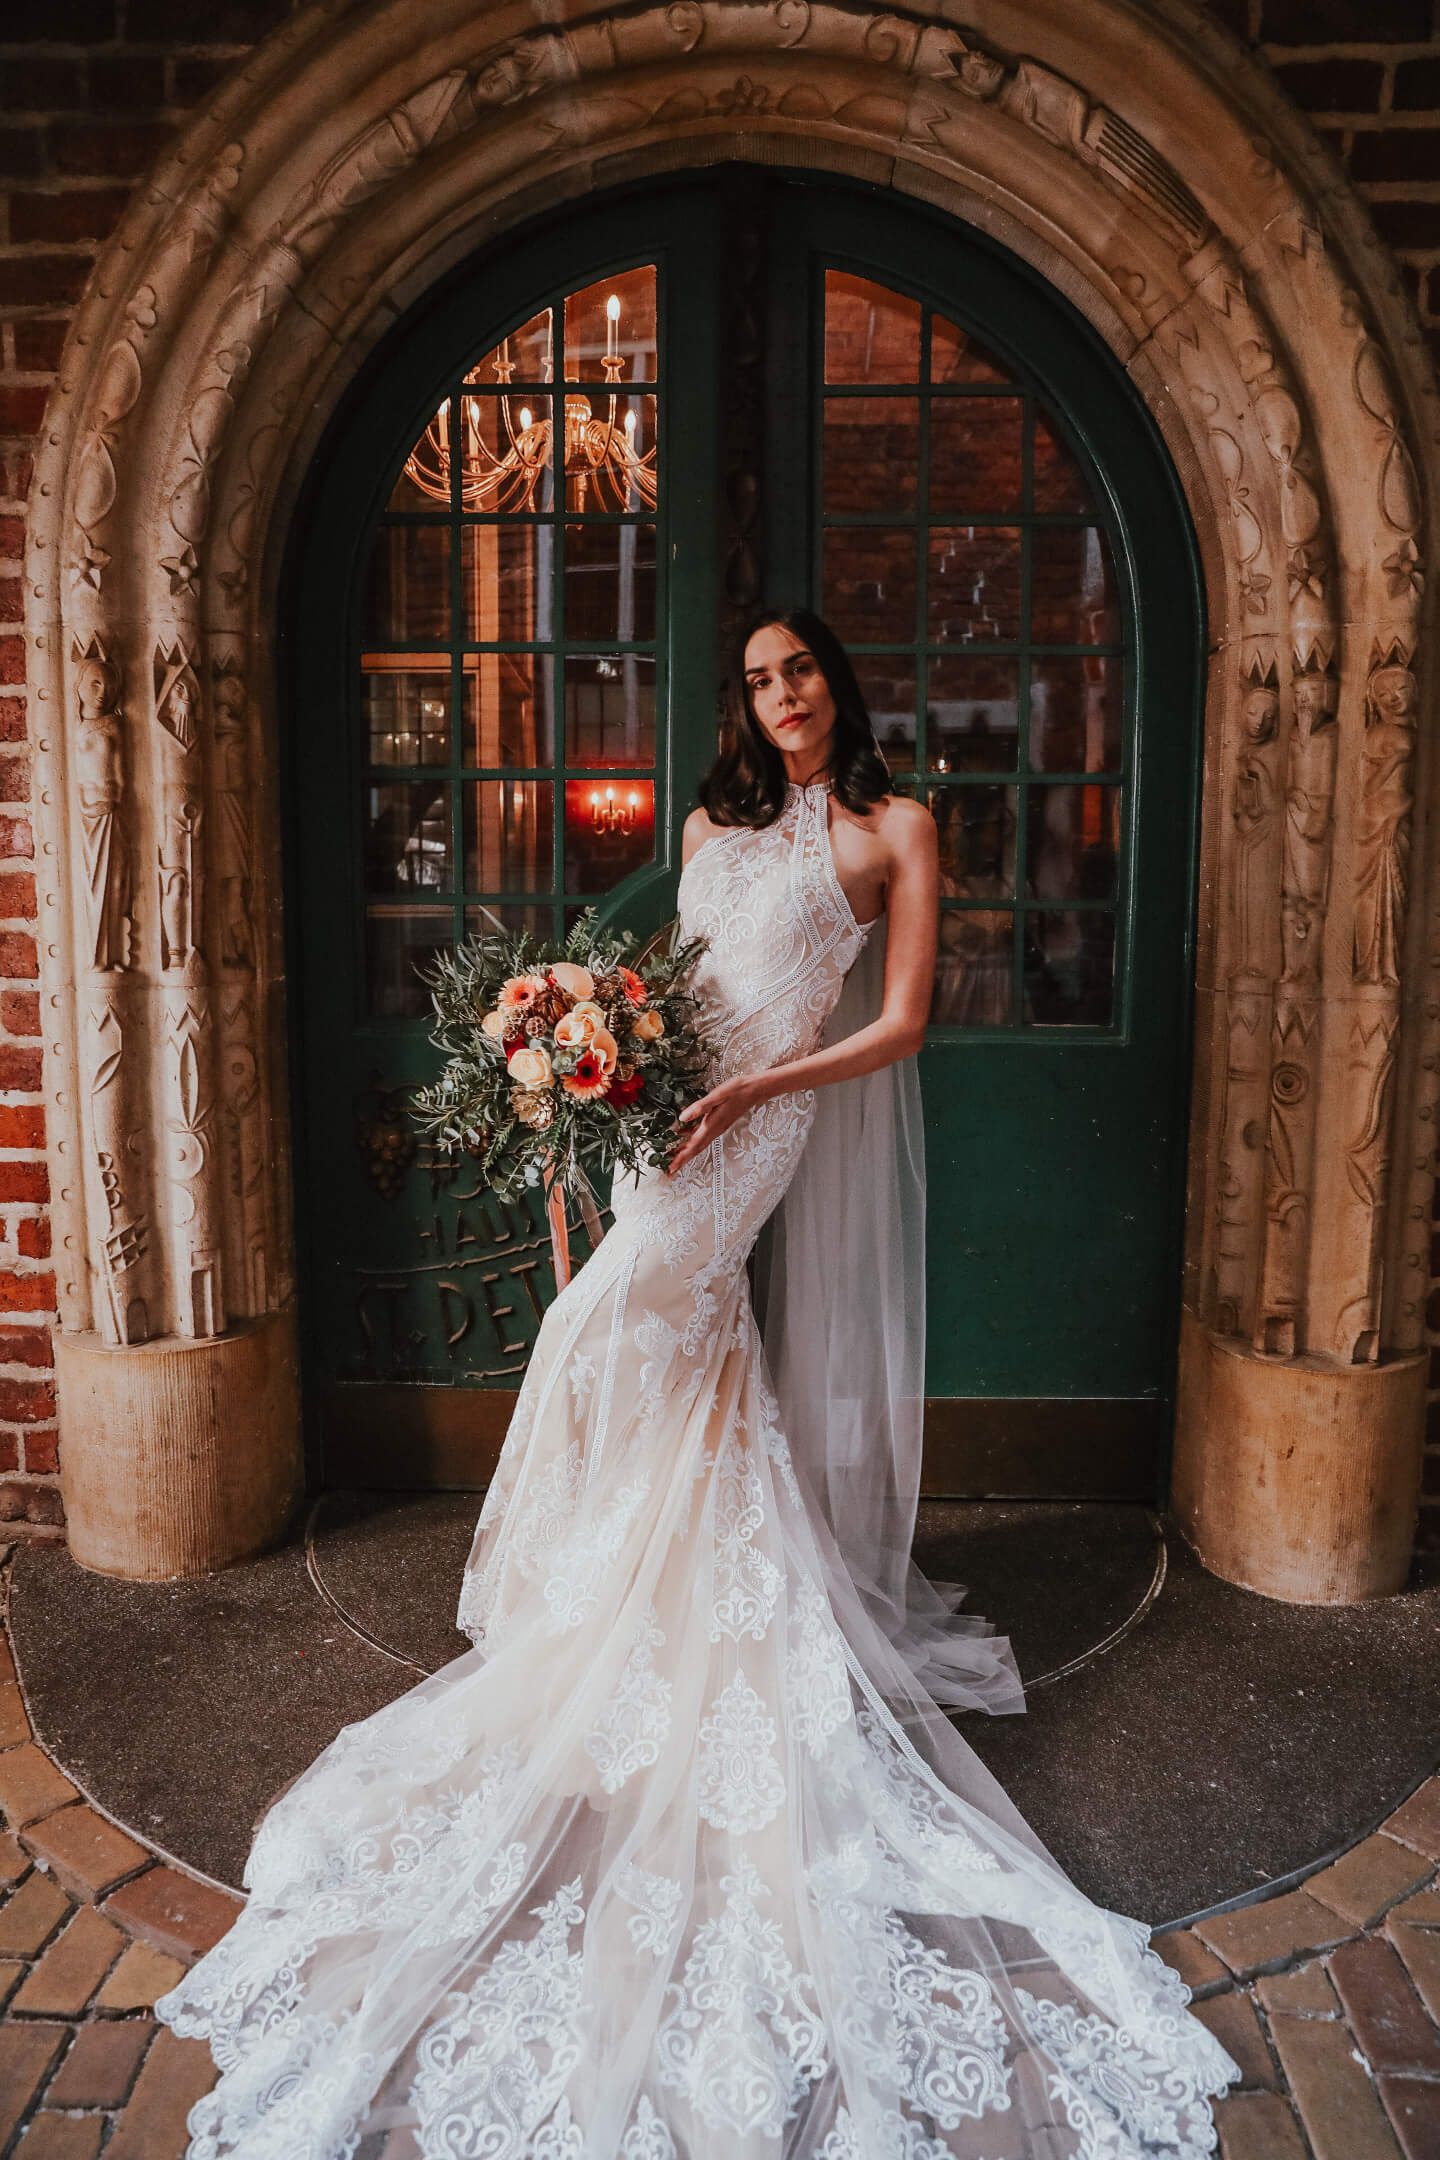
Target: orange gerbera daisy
x,y
520,992
591,1075
634,989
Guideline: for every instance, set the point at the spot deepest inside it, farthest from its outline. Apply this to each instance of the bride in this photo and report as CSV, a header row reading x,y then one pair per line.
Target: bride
x,y
683,1860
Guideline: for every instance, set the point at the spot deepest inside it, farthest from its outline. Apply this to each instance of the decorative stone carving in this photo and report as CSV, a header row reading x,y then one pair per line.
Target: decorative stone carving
x,y
1255,811
99,754
176,694
180,883
1382,822
190,1124
95,481
1057,109
1309,805
234,846
124,1237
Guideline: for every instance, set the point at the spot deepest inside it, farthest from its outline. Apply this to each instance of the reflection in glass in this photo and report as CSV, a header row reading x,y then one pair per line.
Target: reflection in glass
x,y
493,918
872,451
407,709
609,709
397,941
407,835
1059,478
609,582
509,715
610,453
610,329
869,583
974,583
506,583
509,835
974,968
609,831
872,335
407,585
1077,713
977,840
887,684
508,462
526,356
973,714
503,452
976,453
1073,600
1072,842
1070,968
407,493
957,357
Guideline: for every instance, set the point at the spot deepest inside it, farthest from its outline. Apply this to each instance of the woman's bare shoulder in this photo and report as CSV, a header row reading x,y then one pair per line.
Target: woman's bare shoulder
x,y
902,824
699,827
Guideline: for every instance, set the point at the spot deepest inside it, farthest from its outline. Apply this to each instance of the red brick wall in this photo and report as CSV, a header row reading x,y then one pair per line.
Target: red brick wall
x,y
90,91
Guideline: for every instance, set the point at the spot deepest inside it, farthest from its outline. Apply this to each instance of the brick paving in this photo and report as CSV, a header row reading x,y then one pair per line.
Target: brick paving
x,y
1327,1996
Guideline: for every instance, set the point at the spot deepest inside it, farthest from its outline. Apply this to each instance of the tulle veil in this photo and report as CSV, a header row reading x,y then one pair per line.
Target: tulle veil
x,y
840,1295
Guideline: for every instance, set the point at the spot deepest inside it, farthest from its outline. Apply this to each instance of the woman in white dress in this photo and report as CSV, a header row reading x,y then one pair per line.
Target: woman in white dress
x,y
683,1860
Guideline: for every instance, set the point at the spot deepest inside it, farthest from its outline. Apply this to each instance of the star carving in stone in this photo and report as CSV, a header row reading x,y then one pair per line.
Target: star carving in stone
x,y
87,563
184,568
1404,571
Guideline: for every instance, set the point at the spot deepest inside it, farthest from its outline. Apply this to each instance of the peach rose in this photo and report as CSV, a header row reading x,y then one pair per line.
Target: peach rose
x,y
496,1024
648,1026
579,1024
520,991
530,1068
577,981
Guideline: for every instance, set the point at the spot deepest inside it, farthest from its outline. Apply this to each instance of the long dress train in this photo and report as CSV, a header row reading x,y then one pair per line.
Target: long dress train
x,y
681,1861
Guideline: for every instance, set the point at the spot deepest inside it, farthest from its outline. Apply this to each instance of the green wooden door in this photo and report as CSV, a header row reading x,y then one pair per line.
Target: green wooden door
x,y
517,542
983,510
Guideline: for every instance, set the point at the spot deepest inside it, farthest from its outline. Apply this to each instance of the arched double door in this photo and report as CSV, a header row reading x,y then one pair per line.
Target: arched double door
x,y
520,544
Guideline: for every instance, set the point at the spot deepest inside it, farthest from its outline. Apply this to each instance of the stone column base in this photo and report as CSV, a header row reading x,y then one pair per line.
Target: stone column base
x,y
1297,1477
178,1457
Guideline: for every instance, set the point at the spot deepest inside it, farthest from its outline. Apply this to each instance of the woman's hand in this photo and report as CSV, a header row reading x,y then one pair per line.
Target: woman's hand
x,y
712,1115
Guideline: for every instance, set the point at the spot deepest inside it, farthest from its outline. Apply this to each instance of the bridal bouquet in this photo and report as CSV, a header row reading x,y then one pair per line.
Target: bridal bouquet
x,y
563,1058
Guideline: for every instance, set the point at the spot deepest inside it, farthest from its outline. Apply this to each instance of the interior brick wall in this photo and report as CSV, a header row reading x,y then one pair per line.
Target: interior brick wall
x,y
90,92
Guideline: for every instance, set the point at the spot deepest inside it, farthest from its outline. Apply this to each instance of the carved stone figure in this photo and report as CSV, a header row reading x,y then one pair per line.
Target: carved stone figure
x,y
176,695
1382,823
180,884
99,762
1255,809
1309,802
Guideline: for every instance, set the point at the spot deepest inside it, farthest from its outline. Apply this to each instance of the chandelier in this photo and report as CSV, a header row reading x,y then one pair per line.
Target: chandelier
x,y
602,469
610,816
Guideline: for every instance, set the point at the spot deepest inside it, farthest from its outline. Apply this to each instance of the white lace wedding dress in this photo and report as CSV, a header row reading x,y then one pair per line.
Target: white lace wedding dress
x,y
681,1862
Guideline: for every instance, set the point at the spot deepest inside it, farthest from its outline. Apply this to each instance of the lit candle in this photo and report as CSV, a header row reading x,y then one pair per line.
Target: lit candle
x,y
612,324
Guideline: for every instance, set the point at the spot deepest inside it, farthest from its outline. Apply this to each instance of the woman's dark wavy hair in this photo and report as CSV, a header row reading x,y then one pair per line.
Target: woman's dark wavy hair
x,y
746,783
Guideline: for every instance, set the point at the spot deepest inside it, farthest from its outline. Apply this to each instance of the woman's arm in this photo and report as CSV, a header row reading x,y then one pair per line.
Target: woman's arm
x,y
912,899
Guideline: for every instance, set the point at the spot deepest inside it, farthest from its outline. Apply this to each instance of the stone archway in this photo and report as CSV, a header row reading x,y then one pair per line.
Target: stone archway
x,y
1149,170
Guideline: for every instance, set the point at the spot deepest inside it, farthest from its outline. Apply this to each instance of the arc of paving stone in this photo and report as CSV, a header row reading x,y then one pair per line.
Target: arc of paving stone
x,y
324,213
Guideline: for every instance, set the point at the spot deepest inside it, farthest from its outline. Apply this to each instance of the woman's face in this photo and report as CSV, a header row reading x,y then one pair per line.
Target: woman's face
x,y
790,697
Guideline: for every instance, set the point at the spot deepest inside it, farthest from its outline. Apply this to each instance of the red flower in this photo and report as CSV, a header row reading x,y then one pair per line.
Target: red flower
x,y
512,1044
623,1092
634,988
